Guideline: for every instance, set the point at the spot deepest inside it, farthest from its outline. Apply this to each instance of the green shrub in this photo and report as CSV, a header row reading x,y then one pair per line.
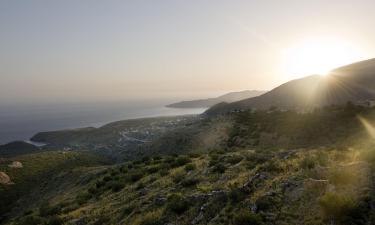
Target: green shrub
x,y
308,163
30,220
164,172
180,161
368,155
93,191
188,182
54,220
322,159
114,173
265,203
99,184
107,178
234,159
341,176
169,159
337,207
236,195
194,155
153,169
178,176
46,209
124,169
136,176
245,217
177,203
271,166
116,186
102,219
219,168
83,198
150,218
190,167
258,158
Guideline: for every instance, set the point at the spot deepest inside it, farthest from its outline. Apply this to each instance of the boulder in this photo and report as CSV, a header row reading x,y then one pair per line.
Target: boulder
x,y
5,179
15,164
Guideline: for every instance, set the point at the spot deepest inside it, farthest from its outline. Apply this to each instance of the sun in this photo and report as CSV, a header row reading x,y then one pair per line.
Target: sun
x,y
318,56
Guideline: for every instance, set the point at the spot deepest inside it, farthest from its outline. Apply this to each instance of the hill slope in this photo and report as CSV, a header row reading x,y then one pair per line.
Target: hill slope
x,y
17,148
230,97
354,82
276,167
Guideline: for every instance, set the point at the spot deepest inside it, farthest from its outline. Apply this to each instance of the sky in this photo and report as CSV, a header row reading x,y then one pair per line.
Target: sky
x,y
90,50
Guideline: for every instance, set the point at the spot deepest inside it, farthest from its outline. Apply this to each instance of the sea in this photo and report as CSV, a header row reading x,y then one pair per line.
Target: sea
x,y
22,121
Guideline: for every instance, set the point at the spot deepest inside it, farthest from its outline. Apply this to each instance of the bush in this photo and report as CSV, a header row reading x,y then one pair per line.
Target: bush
x,y
308,163
271,166
341,176
164,172
30,220
99,184
47,210
116,186
337,207
177,203
219,168
107,178
190,167
368,155
194,155
257,158
236,195
83,198
247,218
136,176
102,219
150,218
265,203
178,176
180,161
234,159
54,220
188,182
153,169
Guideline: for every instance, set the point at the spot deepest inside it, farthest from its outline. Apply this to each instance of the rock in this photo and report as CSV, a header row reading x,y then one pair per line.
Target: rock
x,y
143,192
15,164
200,216
254,181
5,179
160,200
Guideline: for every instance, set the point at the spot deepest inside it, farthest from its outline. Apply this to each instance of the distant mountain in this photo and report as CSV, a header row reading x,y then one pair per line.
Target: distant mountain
x,y
17,148
205,103
354,82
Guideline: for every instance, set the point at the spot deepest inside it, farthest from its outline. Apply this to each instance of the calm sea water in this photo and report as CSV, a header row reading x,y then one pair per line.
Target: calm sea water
x,y
21,122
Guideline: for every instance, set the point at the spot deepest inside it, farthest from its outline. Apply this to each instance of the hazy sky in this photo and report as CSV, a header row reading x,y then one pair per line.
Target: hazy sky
x,y
87,50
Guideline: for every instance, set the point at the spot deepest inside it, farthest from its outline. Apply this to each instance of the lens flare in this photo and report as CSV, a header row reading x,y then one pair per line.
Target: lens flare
x,y
368,126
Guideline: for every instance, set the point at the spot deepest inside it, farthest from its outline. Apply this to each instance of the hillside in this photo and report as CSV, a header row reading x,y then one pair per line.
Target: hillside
x,y
205,103
355,83
117,140
17,148
29,179
263,167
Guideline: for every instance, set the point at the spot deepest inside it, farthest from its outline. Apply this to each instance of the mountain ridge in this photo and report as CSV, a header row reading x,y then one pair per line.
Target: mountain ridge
x,y
229,97
351,83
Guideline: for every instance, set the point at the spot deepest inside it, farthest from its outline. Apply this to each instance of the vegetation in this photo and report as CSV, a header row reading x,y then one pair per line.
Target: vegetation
x,y
241,181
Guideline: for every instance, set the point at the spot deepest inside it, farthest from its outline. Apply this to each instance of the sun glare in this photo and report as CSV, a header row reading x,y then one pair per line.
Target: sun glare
x,y
318,56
